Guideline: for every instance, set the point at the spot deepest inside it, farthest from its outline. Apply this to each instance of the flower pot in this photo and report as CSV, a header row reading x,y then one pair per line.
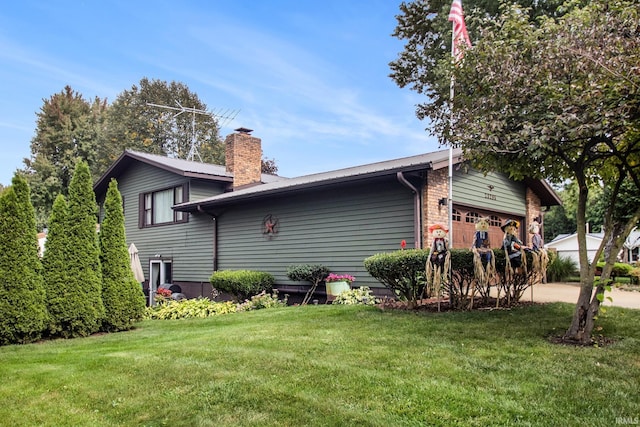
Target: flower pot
x,y
335,288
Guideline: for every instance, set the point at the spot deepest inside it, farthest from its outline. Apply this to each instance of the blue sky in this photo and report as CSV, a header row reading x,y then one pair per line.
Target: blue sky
x,y
310,77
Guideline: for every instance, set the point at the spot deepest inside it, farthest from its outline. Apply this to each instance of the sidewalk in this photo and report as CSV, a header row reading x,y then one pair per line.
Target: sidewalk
x,y
568,292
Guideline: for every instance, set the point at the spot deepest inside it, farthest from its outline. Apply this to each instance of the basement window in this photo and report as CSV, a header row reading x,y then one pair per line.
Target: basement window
x,y
155,207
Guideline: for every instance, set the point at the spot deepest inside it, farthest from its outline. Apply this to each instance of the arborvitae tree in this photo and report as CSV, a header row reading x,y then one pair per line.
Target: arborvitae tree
x,y
22,296
80,283
60,298
121,293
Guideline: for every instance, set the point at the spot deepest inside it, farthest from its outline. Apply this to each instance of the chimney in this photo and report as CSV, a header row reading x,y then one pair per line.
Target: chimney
x,y
243,157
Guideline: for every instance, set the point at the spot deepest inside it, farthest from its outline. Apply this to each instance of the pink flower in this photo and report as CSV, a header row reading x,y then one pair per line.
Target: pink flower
x,y
332,277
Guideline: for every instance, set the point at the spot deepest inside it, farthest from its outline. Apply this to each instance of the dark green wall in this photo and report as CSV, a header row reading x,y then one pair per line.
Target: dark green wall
x,y
338,227
471,188
189,244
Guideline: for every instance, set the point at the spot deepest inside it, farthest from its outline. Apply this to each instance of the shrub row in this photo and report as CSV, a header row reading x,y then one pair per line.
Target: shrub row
x,y
403,272
83,284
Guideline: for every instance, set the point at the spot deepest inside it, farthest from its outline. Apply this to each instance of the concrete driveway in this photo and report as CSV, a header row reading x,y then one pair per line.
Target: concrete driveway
x,y
568,292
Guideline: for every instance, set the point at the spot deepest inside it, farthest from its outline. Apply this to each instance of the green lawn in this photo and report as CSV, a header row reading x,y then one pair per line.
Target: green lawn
x,y
330,366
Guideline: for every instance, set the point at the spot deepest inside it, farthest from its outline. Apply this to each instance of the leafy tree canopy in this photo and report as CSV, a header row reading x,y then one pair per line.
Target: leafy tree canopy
x,y
424,26
67,131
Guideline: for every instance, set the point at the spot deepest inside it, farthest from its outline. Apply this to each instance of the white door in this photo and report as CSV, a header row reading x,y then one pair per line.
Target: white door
x,y
160,272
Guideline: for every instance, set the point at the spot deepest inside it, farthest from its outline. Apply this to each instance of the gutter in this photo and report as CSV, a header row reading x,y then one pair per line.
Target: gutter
x,y
215,236
416,209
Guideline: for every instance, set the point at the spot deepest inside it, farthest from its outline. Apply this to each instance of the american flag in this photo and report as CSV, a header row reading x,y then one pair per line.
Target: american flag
x,y
460,34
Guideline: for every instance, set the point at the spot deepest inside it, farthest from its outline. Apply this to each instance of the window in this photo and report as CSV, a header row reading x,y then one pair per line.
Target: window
x,y
455,215
156,207
495,221
472,217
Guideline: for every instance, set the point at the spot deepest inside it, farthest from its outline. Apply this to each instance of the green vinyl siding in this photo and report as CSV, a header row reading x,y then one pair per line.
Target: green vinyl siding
x,y
495,191
338,227
189,244
202,189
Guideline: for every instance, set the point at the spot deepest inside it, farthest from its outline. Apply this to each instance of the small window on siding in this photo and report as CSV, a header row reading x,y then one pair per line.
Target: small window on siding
x,y
472,217
455,215
156,207
495,221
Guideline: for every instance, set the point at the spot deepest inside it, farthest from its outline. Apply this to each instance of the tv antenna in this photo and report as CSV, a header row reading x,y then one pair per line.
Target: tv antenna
x,y
221,116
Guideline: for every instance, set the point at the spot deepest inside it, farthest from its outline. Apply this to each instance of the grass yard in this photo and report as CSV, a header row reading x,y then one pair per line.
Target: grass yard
x,y
331,366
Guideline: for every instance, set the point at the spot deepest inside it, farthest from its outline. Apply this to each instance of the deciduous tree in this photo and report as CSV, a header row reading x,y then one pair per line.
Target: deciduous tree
x,y
134,124
557,98
67,131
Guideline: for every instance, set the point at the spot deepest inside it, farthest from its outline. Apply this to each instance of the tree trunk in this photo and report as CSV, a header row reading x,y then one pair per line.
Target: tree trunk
x,y
582,324
583,316
588,305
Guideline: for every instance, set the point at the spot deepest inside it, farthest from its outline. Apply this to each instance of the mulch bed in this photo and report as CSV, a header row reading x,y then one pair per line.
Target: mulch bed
x,y
431,305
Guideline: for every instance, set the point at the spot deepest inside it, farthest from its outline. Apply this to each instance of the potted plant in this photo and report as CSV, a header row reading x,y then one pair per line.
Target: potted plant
x,y
337,283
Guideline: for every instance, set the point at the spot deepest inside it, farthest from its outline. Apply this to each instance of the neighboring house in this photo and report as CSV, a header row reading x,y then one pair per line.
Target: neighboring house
x,y
566,245
188,219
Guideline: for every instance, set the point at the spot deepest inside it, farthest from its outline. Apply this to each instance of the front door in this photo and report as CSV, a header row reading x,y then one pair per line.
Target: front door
x,y
160,273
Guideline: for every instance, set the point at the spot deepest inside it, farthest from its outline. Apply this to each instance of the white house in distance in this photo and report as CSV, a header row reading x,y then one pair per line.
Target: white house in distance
x,y
566,246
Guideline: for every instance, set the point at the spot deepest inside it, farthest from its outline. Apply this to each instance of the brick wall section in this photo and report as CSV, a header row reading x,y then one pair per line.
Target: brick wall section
x,y
436,188
243,158
533,210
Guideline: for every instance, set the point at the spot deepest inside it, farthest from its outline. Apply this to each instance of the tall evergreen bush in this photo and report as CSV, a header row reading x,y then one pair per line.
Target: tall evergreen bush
x,y
121,293
22,297
79,301
56,276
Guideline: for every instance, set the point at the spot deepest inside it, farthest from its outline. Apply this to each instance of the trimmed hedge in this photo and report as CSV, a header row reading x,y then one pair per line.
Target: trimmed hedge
x,y
242,284
402,272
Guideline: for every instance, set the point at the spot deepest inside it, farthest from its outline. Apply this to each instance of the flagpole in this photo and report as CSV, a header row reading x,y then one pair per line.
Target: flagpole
x,y
451,93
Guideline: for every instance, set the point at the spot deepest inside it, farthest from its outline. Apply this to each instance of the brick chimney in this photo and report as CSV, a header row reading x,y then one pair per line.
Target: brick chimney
x,y
243,157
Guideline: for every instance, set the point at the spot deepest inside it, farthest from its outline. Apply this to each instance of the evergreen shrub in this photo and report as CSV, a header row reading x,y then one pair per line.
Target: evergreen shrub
x,y
242,284
23,313
620,269
121,293
403,272
313,273
73,276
